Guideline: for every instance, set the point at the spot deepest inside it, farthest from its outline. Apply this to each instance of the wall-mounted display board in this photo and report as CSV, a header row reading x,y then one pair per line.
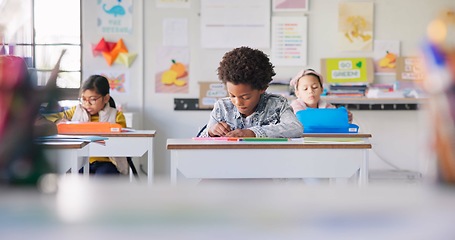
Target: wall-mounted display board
x,y
347,70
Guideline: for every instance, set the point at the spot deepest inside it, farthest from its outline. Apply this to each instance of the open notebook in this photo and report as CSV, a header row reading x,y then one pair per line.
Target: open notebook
x,y
326,120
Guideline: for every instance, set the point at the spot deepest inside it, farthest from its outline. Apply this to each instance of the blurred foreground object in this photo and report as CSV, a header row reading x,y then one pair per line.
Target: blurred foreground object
x,y
439,53
104,208
21,161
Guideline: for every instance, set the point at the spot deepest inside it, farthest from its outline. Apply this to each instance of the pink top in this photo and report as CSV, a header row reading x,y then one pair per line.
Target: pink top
x,y
298,105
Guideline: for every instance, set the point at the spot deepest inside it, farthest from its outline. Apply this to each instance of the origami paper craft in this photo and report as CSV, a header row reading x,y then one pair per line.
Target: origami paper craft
x,y
126,58
113,52
94,51
102,46
109,58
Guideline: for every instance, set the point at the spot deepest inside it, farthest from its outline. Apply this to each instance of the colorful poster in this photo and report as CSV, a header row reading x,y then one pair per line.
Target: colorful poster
x,y
290,5
115,16
347,70
119,82
385,56
289,41
355,26
172,70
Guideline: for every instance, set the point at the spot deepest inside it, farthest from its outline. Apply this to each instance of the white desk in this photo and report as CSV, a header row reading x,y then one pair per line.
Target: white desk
x,y
125,144
96,209
67,155
215,159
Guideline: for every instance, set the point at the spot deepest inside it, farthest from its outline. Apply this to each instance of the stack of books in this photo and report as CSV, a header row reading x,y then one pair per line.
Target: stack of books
x,y
380,93
345,90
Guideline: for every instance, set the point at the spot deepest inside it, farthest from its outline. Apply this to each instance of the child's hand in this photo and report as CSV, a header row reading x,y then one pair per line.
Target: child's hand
x,y
241,133
219,129
349,116
62,120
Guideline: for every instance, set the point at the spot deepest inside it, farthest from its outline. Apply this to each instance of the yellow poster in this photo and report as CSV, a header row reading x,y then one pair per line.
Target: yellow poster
x,y
355,26
347,70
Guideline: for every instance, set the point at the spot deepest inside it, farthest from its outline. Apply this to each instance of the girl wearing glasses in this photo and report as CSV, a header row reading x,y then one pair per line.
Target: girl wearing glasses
x,y
96,105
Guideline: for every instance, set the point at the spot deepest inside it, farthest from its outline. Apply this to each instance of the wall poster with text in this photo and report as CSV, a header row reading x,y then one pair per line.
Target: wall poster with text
x,y
289,41
115,16
233,23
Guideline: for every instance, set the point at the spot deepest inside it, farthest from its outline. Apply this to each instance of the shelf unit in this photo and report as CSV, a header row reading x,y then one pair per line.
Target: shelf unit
x,y
365,103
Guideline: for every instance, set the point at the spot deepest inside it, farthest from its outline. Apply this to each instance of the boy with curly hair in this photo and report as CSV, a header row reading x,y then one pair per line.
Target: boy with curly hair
x,y
249,111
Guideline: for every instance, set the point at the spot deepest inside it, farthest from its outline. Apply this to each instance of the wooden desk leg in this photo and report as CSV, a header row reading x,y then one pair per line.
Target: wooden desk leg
x,y
363,175
174,169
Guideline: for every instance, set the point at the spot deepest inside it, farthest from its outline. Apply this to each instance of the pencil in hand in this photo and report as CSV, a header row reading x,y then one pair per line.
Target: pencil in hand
x,y
65,118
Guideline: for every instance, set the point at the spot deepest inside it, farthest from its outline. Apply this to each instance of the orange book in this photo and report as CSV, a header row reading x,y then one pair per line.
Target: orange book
x,y
88,127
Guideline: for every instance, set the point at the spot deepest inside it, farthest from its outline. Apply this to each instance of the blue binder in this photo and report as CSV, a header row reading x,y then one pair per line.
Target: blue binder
x,y
326,120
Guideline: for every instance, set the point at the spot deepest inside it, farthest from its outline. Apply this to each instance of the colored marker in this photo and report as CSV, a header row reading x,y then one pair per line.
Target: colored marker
x,y
262,139
217,138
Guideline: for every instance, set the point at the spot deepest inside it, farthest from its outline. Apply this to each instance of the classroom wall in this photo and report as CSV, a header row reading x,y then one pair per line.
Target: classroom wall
x,y
134,99
396,137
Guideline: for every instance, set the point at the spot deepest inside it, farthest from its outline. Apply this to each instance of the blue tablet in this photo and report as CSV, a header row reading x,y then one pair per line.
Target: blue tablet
x,y
326,120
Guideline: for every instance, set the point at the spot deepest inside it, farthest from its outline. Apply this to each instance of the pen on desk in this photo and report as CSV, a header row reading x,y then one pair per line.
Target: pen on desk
x,y
217,138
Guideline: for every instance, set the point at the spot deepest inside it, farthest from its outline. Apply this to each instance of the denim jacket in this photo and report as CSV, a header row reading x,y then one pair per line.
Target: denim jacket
x,y
273,117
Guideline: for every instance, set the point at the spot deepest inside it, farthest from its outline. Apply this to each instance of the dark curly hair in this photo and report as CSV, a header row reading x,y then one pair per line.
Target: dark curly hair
x,y
248,66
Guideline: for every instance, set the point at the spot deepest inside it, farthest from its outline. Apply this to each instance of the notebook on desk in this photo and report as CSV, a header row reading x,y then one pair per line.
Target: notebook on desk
x,y
326,120
70,138
88,127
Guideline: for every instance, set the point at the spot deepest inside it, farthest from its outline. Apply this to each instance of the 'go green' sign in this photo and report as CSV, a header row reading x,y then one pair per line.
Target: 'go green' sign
x,y
346,70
